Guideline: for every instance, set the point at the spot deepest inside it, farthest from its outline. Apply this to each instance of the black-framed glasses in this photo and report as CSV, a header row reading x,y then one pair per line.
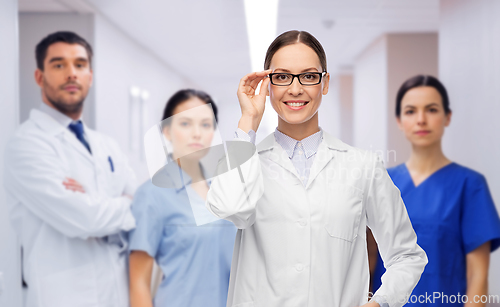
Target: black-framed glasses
x,y
306,78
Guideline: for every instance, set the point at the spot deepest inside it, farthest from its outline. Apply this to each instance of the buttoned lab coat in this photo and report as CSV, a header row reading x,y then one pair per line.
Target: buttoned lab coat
x,y
67,260
306,245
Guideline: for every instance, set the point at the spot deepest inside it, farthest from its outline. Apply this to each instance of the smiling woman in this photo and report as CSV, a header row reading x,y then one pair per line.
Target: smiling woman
x,y
303,201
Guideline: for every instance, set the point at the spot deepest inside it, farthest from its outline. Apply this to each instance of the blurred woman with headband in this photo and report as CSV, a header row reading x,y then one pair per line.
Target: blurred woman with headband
x,y
303,200
450,206
195,260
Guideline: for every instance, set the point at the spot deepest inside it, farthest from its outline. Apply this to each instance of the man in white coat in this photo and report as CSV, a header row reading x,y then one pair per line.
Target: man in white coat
x,y
69,189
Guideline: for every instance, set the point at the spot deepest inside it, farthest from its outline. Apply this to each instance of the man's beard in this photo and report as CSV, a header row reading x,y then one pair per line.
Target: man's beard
x,y
67,109
61,105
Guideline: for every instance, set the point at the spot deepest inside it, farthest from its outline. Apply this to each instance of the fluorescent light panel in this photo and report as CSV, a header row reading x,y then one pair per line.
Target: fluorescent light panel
x,y
262,20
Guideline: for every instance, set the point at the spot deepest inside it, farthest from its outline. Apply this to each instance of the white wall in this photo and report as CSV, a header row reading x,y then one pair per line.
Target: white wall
x,y
370,97
408,55
120,63
33,27
329,111
345,101
378,74
469,66
10,284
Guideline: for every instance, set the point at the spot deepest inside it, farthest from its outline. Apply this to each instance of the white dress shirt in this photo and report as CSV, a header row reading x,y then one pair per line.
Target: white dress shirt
x,y
62,119
305,245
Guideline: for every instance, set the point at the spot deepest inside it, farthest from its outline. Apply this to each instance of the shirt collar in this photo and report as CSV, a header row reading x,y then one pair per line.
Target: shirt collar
x,y
180,178
330,142
61,118
310,144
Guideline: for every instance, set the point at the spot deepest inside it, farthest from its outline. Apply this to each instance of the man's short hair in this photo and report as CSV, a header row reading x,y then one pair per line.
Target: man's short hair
x,y
61,36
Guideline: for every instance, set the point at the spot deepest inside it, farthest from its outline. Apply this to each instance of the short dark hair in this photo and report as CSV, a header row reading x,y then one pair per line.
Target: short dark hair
x,y
182,96
293,37
61,36
418,81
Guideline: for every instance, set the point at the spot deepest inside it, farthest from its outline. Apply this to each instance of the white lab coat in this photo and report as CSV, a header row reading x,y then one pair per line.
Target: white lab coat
x,y
67,259
306,245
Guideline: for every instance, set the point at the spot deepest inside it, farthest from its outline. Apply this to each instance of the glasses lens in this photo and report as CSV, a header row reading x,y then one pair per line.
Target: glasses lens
x,y
281,79
310,79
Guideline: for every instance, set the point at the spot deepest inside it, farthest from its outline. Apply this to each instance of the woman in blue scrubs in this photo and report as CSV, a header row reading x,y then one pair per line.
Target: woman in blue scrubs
x,y
195,260
449,205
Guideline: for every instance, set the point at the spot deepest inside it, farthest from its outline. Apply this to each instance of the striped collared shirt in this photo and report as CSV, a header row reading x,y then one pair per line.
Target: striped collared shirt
x,y
301,153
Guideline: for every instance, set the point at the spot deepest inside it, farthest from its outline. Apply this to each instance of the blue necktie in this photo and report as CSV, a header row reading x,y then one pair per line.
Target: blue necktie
x,y
77,129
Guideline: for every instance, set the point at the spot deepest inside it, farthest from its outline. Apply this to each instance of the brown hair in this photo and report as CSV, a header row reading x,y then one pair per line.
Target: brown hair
x,y
61,36
294,37
180,97
422,80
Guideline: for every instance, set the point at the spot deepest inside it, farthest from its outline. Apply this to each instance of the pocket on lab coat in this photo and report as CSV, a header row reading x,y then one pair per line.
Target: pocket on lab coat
x,y
116,176
75,287
343,211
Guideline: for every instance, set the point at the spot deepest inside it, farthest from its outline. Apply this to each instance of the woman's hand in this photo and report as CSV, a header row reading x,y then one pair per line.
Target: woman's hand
x,y
252,105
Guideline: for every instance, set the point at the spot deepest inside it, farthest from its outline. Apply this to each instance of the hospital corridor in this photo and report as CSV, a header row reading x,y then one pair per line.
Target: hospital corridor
x,y
249,153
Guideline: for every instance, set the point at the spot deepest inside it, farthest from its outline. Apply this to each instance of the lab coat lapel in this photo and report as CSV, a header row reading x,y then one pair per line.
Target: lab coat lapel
x,y
277,154
51,126
326,152
92,139
70,138
323,156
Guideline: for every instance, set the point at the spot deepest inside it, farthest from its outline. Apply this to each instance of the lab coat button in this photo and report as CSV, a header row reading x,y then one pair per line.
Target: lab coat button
x,y
299,267
303,223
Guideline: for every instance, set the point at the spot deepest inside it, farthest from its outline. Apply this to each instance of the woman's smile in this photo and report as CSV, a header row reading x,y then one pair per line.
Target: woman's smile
x,y
295,104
